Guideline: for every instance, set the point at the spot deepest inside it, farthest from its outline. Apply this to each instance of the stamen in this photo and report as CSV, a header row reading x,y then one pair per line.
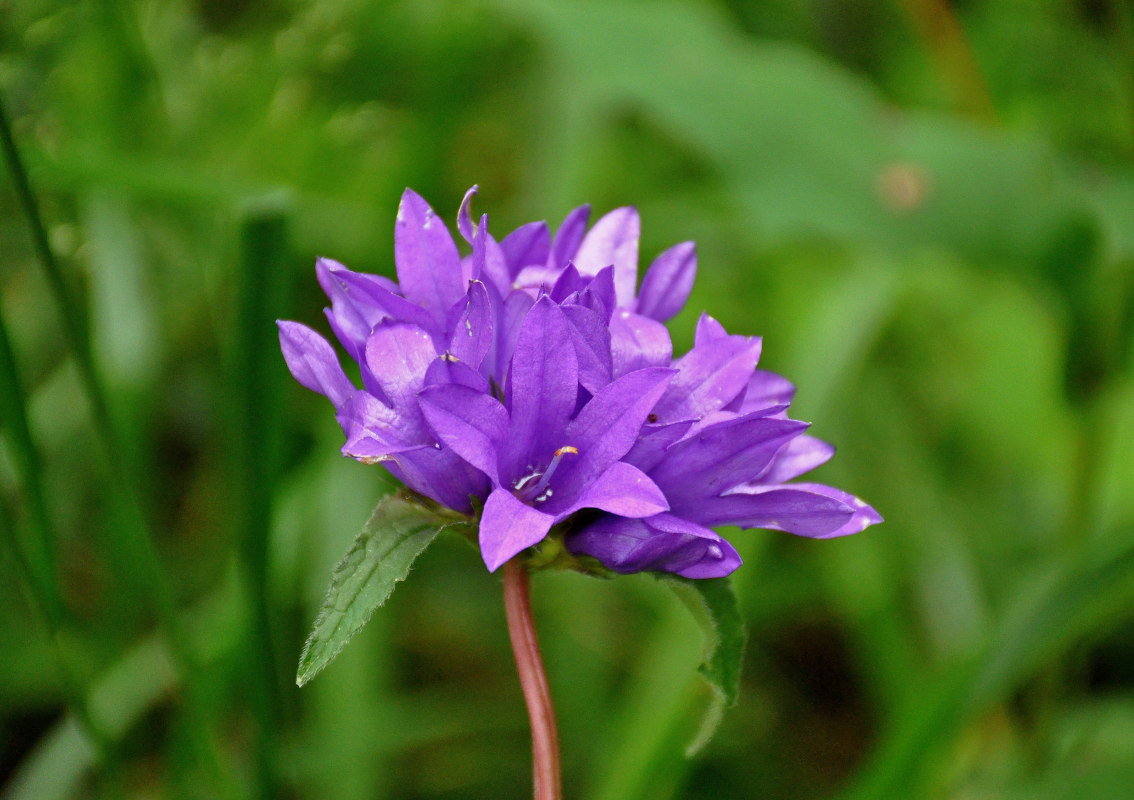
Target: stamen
x,y
539,491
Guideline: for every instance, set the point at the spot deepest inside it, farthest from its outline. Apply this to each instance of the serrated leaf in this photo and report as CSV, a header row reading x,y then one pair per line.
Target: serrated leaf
x,y
713,604
398,531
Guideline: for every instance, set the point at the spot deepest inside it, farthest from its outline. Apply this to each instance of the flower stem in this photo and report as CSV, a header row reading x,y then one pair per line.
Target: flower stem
x,y
533,681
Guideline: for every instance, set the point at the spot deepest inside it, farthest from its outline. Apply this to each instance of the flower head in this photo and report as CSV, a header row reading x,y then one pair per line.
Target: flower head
x,y
534,376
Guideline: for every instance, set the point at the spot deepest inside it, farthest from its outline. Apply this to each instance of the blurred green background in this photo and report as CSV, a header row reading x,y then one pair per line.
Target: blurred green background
x,y
926,209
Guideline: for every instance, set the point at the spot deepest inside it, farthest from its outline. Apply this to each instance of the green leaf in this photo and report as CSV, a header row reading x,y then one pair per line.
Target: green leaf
x,y
400,528
713,604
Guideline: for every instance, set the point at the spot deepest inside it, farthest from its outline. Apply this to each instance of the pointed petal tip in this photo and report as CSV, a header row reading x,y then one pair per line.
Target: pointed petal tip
x,y
464,217
494,562
719,560
409,196
496,553
865,514
508,526
313,362
330,264
325,269
414,205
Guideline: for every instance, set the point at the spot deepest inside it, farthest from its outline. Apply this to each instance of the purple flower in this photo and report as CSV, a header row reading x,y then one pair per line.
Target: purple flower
x,y
529,258
721,450
534,377
546,461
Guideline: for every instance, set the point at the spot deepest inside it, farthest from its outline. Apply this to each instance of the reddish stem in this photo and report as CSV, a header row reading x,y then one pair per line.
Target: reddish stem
x,y
533,681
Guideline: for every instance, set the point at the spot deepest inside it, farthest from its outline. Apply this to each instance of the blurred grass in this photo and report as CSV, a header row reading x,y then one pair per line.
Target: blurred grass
x,y
952,291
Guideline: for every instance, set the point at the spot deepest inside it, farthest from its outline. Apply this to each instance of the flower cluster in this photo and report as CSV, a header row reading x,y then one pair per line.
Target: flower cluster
x,y
535,379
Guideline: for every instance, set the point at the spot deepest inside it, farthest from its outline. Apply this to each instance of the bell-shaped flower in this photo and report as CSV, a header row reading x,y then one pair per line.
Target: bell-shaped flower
x,y
533,378
530,258
721,448
385,425
544,460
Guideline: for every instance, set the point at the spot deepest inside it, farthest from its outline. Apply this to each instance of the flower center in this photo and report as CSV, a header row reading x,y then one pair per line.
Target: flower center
x,y
535,486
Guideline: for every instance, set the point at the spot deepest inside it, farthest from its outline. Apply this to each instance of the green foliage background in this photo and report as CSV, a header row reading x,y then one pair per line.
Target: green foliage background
x,y
926,210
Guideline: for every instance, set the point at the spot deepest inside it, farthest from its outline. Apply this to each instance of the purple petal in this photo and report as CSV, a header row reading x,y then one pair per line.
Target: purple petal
x,y
709,377
348,336
472,330
528,244
536,278
712,560
864,514
668,282
471,424
802,454
637,342
449,369
591,338
652,443
373,430
660,543
613,241
812,510
495,267
325,269
766,389
368,450
399,355
512,313
708,330
804,509
428,265
464,220
507,526
715,418
351,316
313,362
609,424
716,459
567,238
599,294
623,490
472,266
439,473
487,262
368,297
542,386
569,281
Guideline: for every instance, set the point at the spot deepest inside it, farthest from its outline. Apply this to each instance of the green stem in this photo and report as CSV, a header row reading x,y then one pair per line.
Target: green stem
x,y
33,552
255,371
133,540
